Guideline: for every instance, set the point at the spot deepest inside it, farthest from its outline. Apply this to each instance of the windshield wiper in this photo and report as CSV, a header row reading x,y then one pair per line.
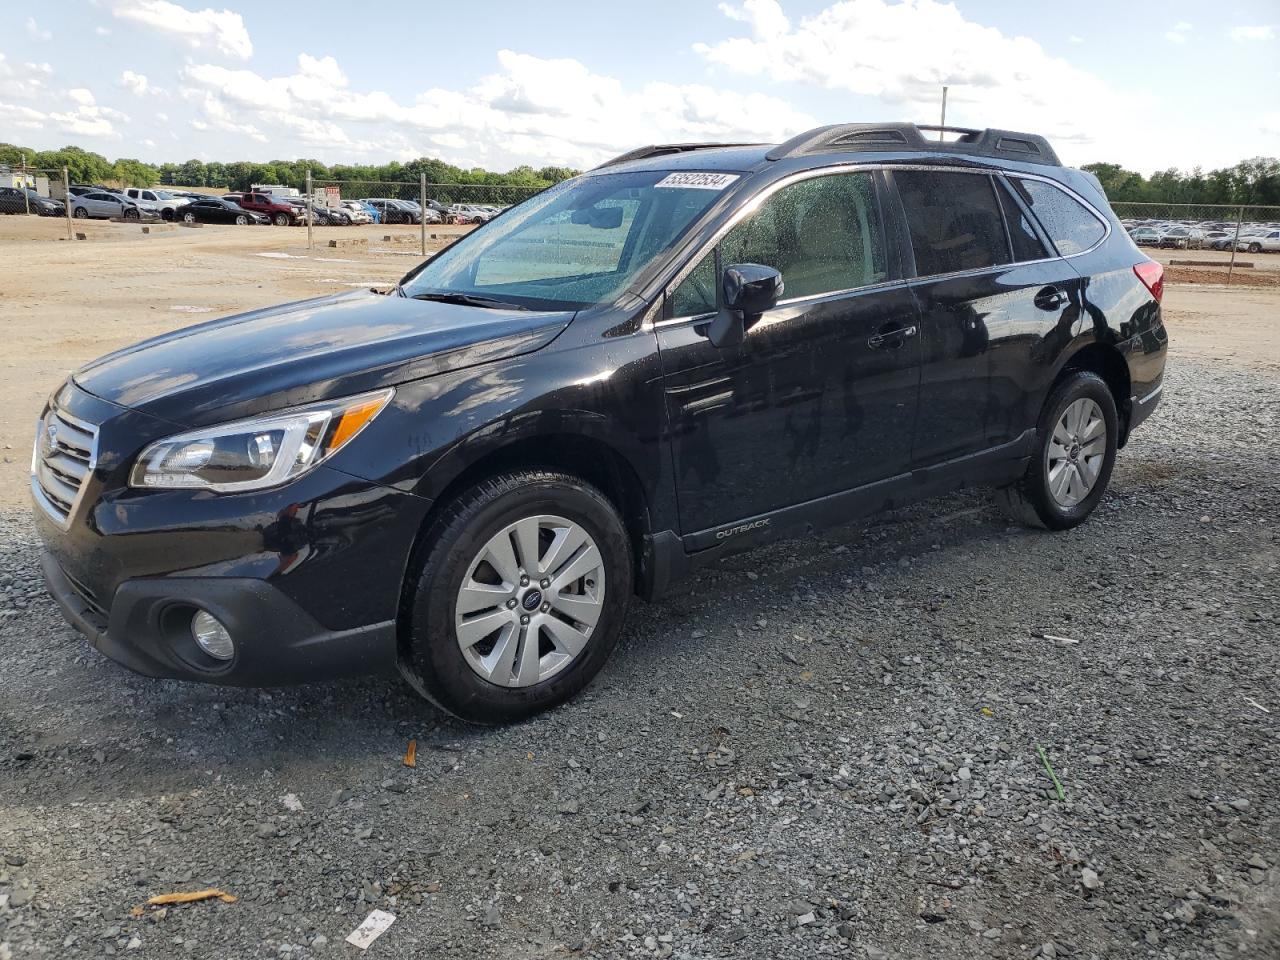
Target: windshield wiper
x,y
470,300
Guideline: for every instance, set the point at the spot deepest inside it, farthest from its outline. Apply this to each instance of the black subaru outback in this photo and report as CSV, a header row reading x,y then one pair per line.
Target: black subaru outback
x,y
685,351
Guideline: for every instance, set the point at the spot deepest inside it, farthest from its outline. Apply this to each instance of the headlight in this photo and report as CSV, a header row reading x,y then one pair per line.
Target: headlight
x,y
259,453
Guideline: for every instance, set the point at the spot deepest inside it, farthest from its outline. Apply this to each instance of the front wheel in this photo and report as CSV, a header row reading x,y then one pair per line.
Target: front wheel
x,y
131,214
517,598
80,213
241,220
1071,464
282,219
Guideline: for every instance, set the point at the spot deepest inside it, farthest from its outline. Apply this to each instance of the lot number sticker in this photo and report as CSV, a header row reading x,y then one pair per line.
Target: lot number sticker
x,y
697,181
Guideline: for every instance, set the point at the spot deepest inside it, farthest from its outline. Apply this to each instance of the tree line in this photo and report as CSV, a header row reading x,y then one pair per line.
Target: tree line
x,y
1250,182
1255,181
84,166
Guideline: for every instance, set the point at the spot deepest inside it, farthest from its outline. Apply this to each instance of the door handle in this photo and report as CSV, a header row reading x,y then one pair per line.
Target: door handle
x,y
891,335
1050,298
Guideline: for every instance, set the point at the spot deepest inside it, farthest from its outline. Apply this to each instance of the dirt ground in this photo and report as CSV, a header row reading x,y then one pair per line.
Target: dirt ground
x,y
62,302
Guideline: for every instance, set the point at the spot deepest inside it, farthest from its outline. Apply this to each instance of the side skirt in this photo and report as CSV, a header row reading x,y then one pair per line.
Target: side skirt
x,y
669,557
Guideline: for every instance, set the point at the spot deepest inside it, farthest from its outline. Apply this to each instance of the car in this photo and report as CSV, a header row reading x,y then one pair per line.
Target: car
x,y
26,200
1147,236
395,211
160,202
100,205
470,213
685,352
219,210
276,209
357,211
1266,242
1182,238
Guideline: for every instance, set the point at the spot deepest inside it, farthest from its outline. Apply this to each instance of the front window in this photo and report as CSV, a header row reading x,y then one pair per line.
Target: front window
x,y
579,243
823,234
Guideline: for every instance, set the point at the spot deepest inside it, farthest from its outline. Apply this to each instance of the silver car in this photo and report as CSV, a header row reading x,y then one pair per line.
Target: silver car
x,y
1268,242
100,205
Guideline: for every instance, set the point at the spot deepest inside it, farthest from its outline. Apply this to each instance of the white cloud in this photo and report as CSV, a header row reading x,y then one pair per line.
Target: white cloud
x,y
903,53
86,117
20,117
1074,39
24,81
1260,32
220,30
102,31
765,17
34,31
137,84
552,110
1181,30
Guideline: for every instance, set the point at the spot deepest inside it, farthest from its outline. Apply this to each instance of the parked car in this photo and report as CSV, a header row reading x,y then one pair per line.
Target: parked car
x,y
219,210
1268,242
468,478
26,200
100,205
277,210
357,211
1182,238
1147,236
160,202
469,213
394,211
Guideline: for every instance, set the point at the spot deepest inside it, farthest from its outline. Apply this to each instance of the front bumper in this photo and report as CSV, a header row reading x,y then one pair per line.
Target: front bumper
x,y
147,629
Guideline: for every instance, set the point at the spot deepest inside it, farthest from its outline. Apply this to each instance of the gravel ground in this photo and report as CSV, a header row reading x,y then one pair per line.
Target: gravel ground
x,y
827,747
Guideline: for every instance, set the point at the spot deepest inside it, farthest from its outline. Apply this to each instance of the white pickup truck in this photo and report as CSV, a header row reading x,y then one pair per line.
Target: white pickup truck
x,y
159,202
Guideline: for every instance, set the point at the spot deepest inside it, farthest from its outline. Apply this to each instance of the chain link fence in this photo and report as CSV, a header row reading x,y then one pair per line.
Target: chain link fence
x,y
406,202
41,191
1228,229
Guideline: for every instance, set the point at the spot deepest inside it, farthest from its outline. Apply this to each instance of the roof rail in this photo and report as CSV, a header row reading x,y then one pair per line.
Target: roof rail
x,y
659,149
886,137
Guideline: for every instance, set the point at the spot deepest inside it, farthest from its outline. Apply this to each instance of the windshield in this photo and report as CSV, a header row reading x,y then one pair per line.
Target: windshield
x,y
579,243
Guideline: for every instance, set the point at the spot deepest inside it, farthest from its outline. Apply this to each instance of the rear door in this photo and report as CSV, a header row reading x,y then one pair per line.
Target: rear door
x,y
988,294
821,395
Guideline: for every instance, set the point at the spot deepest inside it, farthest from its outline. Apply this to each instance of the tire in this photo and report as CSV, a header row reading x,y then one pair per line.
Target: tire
x,y
282,220
451,554
1031,500
166,214
188,217
131,215
241,220
1255,248
80,213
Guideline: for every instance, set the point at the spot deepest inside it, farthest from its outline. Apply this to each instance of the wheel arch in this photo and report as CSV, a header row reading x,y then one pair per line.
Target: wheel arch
x,y
1109,363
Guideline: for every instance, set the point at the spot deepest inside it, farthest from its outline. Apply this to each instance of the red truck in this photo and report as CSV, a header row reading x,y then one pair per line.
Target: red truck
x,y
281,212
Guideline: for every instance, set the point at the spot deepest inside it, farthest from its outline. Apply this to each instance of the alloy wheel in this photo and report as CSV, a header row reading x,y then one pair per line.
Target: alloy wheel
x,y
530,600
1076,452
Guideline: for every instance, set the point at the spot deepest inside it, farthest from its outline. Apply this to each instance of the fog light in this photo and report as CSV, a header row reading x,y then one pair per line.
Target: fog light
x,y
211,636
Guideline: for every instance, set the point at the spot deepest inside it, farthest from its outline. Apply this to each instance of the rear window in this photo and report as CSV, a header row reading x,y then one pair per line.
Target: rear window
x,y
1070,225
954,220
1026,241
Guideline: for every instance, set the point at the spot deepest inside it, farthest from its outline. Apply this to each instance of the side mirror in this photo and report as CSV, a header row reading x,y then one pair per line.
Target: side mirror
x,y
747,291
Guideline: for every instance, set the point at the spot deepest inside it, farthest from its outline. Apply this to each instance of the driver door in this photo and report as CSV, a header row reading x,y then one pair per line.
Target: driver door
x,y
820,397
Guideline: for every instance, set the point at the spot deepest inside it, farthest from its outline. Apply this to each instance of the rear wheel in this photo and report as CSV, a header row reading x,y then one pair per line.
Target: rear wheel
x,y
1075,452
1255,248
189,217
519,596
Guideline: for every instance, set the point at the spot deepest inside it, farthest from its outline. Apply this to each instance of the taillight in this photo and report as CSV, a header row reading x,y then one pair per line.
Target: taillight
x,y
1151,274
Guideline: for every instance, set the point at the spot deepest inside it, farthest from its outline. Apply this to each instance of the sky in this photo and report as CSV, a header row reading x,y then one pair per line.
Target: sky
x,y
498,84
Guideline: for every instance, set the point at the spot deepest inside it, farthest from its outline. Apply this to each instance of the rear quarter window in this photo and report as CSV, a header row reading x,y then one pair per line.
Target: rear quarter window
x,y
1071,226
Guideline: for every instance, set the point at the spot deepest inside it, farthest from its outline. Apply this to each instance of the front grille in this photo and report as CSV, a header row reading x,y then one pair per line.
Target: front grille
x,y
65,454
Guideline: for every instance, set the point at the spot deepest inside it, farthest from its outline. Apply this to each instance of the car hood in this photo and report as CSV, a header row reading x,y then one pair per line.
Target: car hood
x,y
311,350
